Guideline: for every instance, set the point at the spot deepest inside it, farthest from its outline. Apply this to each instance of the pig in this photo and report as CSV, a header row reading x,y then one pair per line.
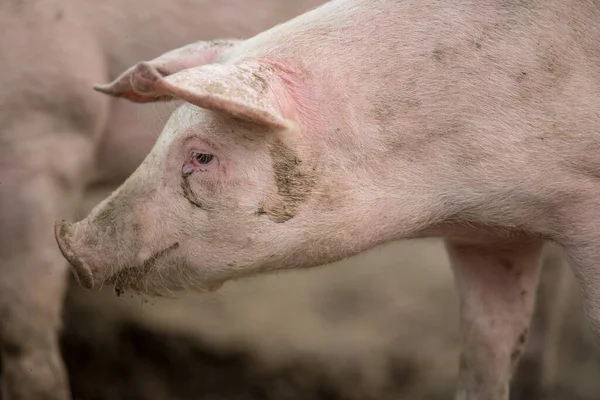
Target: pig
x,y
538,366
363,122
58,137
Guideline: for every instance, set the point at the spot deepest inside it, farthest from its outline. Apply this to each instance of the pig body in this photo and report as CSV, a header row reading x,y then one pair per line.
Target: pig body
x,y
364,122
57,136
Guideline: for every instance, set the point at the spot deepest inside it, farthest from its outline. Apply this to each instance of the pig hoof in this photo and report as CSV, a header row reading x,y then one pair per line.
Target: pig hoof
x,y
63,233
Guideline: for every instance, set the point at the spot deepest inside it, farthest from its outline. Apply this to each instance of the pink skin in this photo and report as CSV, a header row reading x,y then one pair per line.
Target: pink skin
x,y
58,137
420,120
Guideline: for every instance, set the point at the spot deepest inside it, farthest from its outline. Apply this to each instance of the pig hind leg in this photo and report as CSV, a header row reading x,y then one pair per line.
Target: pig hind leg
x,y
496,286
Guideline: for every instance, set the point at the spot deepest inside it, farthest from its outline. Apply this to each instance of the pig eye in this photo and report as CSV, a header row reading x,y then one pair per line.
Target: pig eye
x,y
203,158
199,161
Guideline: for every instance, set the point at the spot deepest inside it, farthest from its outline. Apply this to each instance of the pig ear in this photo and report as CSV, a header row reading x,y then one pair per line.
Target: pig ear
x,y
245,90
136,85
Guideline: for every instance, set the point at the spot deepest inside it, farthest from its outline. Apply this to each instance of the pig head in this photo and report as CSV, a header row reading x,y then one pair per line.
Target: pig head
x,y
224,193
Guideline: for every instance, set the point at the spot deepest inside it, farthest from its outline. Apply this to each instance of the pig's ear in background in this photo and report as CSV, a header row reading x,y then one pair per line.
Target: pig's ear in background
x,y
245,90
135,84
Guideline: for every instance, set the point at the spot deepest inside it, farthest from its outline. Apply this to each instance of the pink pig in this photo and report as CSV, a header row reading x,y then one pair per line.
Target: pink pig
x,y
363,122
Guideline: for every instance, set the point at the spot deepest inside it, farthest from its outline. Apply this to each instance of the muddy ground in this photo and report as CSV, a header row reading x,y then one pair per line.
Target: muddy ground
x,y
382,325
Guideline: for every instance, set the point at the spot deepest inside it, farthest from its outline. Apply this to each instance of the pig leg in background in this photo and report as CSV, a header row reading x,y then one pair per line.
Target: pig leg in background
x,y
497,286
50,121
43,166
538,363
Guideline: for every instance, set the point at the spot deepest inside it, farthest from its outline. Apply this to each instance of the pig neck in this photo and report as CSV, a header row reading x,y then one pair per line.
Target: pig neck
x,y
349,104
415,147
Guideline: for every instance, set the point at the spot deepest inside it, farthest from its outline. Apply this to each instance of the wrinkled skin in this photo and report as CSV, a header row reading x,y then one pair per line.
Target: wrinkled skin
x,y
472,121
57,137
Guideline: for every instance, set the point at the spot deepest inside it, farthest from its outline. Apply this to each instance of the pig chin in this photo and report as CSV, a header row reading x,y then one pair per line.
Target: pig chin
x,y
160,276
144,277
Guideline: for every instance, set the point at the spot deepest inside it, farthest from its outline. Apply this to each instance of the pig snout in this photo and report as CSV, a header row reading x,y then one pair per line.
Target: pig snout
x,y
94,253
116,243
81,267
94,247
108,247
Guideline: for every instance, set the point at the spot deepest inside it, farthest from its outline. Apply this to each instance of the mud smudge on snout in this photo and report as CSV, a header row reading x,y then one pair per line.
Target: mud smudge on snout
x,y
130,276
293,181
121,204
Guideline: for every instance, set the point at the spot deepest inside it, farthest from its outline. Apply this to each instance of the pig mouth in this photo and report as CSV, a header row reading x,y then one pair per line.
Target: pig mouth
x,y
131,277
92,272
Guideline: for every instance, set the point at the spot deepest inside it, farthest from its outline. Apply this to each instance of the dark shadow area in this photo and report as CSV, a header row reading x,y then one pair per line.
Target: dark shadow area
x,y
114,359
111,357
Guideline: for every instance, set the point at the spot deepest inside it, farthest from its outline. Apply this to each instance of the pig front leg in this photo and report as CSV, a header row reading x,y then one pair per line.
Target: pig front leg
x,y
579,233
538,363
43,165
585,262
496,285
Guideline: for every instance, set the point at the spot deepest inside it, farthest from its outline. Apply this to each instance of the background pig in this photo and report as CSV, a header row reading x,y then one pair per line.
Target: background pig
x,y
57,136
433,142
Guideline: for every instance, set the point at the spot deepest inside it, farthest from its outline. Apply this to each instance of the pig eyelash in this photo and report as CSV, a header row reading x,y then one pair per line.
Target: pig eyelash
x,y
198,161
202,158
